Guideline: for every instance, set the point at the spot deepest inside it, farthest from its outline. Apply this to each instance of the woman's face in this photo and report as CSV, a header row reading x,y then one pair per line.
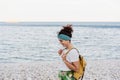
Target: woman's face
x,y
64,42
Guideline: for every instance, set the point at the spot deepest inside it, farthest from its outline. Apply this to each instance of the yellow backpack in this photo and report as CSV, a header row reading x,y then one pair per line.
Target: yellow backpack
x,y
82,66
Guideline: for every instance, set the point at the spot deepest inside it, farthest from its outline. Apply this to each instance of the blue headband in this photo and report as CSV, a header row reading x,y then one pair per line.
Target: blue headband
x,y
64,37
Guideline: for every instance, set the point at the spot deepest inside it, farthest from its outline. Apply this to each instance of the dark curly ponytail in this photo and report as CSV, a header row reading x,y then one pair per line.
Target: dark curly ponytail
x,y
66,30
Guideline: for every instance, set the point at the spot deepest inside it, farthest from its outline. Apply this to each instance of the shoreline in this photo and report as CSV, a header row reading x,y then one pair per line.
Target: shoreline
x,y
44,70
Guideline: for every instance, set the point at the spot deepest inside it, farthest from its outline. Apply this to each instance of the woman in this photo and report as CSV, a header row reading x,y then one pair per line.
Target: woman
x,y
69,55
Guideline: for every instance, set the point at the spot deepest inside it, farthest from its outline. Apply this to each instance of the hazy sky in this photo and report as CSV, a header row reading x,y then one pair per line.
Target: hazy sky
x,y
59,10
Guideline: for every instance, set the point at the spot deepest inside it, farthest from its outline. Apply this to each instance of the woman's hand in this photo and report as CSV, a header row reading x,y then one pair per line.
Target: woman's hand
x,y
64,57
60,51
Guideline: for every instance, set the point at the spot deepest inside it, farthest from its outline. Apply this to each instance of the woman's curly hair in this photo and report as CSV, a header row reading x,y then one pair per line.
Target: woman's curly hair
x,y
67,30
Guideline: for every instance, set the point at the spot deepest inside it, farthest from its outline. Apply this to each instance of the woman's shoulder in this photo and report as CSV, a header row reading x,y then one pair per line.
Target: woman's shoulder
x,y
73,55
74,51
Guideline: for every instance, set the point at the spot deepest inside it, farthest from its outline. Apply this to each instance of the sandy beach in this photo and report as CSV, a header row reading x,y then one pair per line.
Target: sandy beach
x,y
95,70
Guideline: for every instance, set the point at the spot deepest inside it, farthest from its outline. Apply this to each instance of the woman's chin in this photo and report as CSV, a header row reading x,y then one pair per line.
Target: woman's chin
x,y
64,46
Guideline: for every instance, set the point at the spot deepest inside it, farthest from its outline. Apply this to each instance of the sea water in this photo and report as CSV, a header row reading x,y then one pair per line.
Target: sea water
x,y
40,43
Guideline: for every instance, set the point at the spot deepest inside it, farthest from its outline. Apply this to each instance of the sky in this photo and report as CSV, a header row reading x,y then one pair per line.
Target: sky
x,y
60,10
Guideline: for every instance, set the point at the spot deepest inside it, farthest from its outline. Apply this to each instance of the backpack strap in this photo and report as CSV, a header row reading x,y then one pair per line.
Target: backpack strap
x,y
83,74
69,50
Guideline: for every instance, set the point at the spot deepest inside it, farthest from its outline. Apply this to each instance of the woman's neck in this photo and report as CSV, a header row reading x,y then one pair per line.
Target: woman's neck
x,y
70,46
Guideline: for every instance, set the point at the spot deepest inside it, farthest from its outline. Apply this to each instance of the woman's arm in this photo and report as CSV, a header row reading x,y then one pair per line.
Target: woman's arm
x,y
73,66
